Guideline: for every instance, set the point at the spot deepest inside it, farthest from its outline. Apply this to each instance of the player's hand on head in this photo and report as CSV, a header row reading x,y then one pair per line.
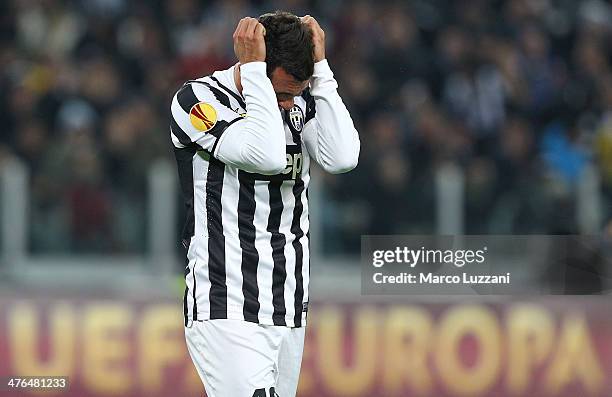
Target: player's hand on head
x,y
318,37
249,43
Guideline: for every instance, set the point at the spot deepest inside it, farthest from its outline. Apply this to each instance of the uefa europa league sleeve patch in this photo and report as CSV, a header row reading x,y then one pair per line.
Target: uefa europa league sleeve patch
x,y
203,116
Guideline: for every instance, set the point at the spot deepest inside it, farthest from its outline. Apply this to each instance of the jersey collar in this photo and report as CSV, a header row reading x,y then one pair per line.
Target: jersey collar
x,y
226,77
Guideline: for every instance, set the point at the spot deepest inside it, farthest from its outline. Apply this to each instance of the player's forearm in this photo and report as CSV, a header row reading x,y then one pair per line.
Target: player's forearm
x,y
257,143
337,139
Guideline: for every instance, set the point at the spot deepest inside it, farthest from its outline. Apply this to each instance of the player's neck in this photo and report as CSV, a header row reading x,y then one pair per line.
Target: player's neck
x,y
237,77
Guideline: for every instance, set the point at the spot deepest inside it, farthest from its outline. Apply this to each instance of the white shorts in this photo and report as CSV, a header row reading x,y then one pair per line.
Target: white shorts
x,y
236,358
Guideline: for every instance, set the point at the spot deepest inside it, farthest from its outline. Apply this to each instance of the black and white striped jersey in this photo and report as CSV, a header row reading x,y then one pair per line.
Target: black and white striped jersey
x,y
244,169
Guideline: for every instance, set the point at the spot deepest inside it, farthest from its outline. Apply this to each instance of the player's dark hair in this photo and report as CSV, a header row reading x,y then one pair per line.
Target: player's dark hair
x,y
288,45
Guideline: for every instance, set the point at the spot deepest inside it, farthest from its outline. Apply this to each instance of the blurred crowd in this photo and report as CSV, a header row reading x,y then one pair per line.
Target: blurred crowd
x,y
517,94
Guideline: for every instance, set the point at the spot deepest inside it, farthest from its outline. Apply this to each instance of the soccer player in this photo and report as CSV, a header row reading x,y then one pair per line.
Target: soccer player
x,y
244,139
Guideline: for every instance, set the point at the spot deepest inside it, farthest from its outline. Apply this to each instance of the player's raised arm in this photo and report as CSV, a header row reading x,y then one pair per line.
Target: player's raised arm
x,y
255,143
330,136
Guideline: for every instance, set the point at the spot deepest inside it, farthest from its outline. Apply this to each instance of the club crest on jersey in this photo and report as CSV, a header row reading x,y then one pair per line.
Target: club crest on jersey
x,y
296,119
203,116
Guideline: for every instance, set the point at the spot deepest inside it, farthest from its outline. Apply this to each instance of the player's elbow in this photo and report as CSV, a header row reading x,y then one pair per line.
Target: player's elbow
x,y
343,165
344,162
267,161
273,166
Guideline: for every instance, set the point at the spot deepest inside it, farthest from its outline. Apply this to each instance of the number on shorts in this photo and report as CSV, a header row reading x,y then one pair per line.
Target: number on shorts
x,y
262,393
